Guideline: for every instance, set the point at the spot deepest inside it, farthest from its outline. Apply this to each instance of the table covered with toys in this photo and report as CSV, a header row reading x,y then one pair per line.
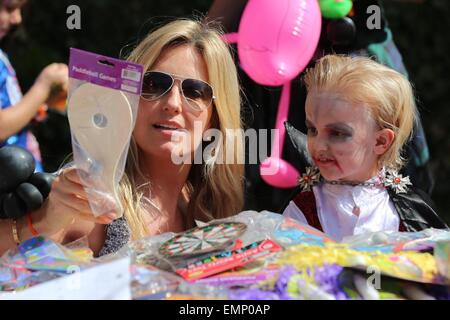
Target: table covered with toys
x,y
251,256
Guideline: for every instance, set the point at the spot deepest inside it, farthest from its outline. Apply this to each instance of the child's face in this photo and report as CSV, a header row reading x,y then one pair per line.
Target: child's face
x,y
342,138
9,17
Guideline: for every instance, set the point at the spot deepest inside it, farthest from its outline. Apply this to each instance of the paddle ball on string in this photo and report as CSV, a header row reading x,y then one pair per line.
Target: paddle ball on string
x,y
21,189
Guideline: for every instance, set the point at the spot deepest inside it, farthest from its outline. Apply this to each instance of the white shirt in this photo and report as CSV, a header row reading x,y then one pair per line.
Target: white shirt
x,y
335,205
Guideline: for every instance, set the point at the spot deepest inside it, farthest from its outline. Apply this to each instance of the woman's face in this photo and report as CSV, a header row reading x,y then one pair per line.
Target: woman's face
x,y
342,138
165,126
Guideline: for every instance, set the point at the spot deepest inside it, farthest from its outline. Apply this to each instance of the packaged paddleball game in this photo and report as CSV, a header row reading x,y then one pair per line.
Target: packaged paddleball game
x,y
102,108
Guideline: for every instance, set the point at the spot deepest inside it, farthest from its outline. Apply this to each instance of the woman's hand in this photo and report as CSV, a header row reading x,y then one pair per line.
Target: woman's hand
x,y
66,203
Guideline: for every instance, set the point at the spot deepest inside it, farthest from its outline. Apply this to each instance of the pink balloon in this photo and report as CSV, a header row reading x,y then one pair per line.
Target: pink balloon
x,y
282,116
274,170
286,175
277,38
230,37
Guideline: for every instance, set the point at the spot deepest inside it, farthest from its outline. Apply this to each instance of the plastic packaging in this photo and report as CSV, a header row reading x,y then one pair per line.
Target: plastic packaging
x,y
442,256
212,248
388,241
248,241
39,260
149,283
103,102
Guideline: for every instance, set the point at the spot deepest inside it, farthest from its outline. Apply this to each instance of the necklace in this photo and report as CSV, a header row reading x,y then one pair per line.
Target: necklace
x,y
386,178
353,184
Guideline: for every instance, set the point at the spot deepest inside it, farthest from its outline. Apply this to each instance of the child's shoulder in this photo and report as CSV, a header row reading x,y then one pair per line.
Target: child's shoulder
x,y
416,209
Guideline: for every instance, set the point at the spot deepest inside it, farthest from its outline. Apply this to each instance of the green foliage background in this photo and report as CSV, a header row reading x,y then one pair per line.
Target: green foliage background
x,y
420,30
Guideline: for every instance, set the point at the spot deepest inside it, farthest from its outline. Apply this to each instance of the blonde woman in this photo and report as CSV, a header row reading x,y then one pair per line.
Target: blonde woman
x,y
190,83
359,114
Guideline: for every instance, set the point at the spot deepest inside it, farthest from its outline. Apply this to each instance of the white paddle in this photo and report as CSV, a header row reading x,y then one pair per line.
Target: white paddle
x,y
101,122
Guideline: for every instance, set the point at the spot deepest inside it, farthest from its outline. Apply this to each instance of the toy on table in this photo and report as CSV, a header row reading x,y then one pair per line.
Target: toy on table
x,y
101,123
292,232
39,259
390,242
442,255
200,240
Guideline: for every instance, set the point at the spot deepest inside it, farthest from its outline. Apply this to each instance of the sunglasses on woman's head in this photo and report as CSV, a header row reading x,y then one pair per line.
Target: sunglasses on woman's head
x,y
198,94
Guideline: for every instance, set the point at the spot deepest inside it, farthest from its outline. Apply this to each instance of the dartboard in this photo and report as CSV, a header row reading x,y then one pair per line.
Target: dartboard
x,y
203,239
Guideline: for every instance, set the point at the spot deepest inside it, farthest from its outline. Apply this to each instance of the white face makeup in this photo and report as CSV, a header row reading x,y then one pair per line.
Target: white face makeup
x,y
341,138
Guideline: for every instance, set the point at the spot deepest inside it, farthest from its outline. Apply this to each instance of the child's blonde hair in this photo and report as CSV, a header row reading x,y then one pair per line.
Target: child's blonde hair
x,y
387,93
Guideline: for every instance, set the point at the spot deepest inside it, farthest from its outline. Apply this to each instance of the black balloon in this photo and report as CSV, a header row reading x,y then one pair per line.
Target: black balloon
x,y
341,32
30,195
16,166
43,181
13,206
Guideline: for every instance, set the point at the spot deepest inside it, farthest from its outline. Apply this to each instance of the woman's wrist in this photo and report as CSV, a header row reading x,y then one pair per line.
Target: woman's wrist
x,y
30,225
45,223
19,230
23,229
40,222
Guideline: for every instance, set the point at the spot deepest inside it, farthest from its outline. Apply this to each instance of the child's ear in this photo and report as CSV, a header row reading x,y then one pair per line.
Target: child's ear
x,y
384,139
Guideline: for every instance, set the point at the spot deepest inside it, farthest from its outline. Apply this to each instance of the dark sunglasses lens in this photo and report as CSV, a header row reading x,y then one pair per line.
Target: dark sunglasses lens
x,y
198,91
155,85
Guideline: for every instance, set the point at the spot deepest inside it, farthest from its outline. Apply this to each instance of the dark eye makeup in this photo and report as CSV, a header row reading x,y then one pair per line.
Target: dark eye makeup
x,y
336,131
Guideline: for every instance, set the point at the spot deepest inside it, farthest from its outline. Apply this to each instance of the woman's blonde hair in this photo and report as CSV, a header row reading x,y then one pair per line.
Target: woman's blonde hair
x,y
213,190
362,81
